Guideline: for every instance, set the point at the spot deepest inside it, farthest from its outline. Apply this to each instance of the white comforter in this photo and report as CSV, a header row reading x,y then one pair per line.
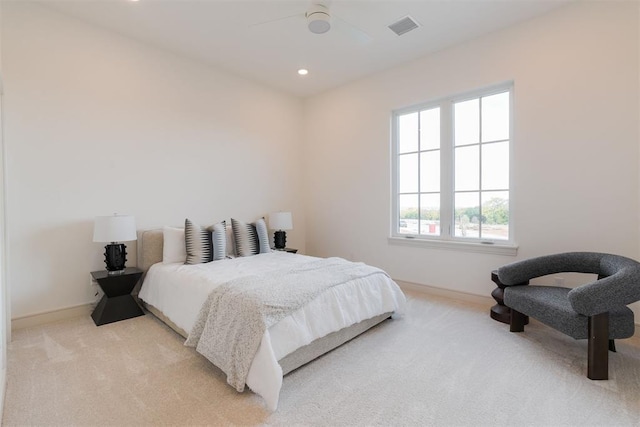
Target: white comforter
x,y
179,291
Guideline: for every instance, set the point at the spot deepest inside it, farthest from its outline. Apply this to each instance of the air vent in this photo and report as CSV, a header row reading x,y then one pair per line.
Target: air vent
x,y
404,25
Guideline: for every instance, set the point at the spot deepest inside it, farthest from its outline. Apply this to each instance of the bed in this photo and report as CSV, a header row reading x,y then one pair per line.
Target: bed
x,y
177,294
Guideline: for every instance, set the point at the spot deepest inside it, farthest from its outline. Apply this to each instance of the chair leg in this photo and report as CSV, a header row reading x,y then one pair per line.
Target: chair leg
x,y
612,346
598,352
517,321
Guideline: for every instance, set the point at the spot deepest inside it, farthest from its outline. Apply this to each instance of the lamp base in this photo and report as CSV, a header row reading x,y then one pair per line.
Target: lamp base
x,y
115,257
280,239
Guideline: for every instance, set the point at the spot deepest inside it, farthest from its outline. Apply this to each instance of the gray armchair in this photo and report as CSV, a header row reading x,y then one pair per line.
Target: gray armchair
x,y
596,311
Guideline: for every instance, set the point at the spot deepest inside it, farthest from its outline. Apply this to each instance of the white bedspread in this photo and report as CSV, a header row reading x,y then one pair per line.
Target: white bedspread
x,y
179,291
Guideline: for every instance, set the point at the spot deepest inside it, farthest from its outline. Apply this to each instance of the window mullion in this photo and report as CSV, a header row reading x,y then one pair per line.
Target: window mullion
x,y
419,174
395,167
446,170
480,186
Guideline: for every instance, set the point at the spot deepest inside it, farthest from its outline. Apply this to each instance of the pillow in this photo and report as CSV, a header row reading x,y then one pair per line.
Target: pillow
x,y
263,236
173,248
231,243
219,241
198,243
248,240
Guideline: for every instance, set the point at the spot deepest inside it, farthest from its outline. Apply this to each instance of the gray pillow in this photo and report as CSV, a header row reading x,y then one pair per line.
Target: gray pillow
x,y
263,236
219,240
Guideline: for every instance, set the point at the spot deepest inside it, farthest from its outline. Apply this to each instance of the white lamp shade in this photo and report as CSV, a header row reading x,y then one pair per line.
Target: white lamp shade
x,y
114,228
280,221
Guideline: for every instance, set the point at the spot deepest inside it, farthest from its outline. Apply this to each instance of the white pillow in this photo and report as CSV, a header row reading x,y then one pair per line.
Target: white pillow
x,y
174,249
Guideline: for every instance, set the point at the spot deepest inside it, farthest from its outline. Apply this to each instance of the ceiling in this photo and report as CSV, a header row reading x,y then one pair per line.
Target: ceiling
x,y
268,40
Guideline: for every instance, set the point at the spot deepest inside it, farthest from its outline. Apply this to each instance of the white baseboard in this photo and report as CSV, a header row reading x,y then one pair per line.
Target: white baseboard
x,y
51,316
446,293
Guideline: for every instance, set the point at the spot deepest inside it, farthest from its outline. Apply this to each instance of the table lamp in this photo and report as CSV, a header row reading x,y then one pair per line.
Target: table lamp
x,y
114,229
280,221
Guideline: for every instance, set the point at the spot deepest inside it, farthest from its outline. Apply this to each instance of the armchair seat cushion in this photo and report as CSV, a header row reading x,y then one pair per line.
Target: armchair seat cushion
x,y
551,306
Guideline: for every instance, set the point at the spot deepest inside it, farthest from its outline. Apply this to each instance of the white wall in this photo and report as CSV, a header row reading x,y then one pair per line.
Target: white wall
x,y
96,123
575,157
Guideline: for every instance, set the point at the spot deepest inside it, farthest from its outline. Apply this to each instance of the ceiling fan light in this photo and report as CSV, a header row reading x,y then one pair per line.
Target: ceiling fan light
x,y
318,22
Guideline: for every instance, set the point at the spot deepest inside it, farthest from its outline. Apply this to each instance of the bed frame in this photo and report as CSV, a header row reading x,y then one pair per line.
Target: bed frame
x,y
150,244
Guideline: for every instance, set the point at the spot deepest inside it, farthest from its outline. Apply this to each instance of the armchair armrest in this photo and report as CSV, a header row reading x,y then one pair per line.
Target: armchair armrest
x,y
615,291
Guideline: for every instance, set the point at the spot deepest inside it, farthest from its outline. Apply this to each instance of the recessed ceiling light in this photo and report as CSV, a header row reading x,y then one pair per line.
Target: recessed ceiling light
x,y
303,71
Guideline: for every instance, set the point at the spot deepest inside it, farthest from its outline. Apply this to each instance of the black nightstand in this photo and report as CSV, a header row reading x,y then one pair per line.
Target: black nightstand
x,y
117,303
290,250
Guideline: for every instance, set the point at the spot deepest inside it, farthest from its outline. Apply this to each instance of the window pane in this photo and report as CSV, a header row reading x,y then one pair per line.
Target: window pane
x,y
467,122
430,129
408,209
430,171
467,172
430,214
408,173
495,166
467,214
495,117
495,212
408,133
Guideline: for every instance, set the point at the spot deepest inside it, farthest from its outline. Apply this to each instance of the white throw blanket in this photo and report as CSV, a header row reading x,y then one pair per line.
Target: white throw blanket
x,y
235,316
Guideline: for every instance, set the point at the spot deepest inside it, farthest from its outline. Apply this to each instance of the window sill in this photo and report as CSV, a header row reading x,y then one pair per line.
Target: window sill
x,y
455,245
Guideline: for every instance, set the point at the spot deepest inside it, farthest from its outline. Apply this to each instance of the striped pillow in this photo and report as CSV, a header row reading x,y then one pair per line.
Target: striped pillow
x,y
198,243
251,239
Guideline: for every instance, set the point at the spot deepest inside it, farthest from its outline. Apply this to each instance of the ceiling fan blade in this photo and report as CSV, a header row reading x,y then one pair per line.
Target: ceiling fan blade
x,y
270,21
324,3
351,30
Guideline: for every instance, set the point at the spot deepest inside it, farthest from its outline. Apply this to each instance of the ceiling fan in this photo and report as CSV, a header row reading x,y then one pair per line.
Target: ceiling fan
x,y
320,20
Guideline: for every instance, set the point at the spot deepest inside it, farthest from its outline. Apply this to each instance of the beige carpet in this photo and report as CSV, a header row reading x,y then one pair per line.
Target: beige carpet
x,y
445,363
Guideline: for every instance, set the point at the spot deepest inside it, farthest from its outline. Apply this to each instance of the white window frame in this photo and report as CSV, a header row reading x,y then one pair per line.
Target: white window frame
x,y
447,239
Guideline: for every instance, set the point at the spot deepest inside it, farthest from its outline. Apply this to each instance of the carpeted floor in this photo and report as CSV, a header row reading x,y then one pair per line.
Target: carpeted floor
x,y
444,363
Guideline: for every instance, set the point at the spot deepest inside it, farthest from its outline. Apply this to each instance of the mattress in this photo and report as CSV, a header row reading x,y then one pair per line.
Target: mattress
x,y
178,292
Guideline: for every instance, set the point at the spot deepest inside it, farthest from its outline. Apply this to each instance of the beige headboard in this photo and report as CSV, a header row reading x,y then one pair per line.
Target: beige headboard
x,y
150,244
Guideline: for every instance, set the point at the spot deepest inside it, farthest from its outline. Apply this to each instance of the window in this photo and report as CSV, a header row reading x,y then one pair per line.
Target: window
x,y
451,168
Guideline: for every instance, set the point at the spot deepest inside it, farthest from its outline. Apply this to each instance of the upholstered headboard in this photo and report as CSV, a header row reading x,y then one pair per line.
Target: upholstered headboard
x,y
150,245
